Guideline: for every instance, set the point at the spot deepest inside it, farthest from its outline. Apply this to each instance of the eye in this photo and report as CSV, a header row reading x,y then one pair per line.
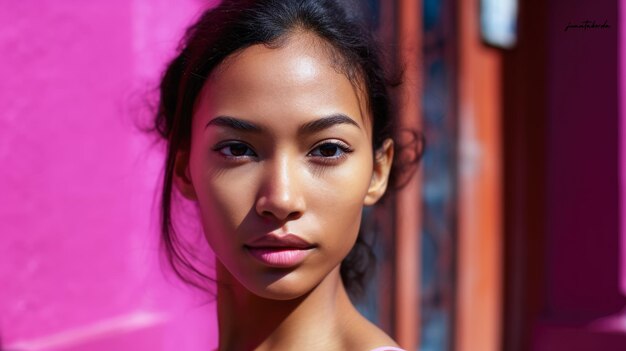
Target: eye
x,y
332,150
234,150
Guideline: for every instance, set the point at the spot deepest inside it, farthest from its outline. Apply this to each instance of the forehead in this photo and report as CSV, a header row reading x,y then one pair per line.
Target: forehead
x,y
297,80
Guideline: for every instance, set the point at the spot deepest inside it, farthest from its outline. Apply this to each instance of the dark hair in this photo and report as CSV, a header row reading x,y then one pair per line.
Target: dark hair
x,y
235,25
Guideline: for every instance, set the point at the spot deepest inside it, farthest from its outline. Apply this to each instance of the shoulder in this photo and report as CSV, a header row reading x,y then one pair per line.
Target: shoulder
x,y
387,348
369,337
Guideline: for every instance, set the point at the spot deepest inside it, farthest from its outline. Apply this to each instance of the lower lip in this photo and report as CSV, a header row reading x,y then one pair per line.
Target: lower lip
x,y
279,257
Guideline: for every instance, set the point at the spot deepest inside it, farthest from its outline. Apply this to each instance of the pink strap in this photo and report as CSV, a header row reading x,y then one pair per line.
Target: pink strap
x,y
387,348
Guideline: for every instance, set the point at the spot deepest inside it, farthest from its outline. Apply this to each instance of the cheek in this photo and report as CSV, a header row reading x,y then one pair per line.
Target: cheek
x,y
225,199
338,201
230,197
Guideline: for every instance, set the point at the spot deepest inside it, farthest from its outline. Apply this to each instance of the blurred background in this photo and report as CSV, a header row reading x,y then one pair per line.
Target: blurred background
x,y
510,237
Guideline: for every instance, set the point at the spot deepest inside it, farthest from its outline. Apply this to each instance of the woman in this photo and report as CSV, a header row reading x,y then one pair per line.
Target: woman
x,y
278,125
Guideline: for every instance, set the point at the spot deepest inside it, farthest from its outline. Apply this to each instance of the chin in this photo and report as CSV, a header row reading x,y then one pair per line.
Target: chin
x,y
279,294
281,285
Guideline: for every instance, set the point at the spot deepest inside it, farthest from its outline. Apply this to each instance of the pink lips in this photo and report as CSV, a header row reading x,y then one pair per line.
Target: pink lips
x,y
280,251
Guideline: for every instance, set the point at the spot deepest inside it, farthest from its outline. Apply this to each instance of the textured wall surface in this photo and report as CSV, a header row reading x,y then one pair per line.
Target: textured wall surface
x,y
78,256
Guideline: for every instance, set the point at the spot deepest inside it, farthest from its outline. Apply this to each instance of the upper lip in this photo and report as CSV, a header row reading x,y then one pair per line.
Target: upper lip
x,y
274,240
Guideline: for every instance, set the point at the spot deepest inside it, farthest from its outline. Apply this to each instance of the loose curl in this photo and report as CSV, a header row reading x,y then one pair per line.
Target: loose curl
x,y
235,25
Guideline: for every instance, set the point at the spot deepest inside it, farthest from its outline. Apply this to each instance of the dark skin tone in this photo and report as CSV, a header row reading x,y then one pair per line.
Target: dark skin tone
x,y
281,143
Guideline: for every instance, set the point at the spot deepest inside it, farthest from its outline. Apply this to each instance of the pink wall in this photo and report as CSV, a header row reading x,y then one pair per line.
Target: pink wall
x,y
78,259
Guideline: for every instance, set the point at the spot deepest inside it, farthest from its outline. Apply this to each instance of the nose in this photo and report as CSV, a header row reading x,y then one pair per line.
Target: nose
x,y
280,196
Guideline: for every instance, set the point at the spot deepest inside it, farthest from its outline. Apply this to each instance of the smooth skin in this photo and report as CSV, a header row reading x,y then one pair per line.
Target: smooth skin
x,y
282,143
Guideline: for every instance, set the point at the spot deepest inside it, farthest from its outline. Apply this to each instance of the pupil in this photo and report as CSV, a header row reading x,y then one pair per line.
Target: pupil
x,y
328,150
238,150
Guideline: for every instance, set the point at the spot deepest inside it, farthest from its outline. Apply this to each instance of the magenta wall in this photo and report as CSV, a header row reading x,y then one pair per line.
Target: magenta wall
x,y
622,140
584,304
78,259
583,175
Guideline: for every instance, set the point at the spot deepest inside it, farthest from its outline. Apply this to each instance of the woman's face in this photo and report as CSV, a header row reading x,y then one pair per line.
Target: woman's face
x,y
281,164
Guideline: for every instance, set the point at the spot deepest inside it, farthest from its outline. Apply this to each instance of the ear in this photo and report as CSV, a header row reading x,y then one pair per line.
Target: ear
x,y
380,176
182,178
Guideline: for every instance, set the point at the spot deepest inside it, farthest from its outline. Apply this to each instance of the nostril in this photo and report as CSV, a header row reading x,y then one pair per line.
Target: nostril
x,y
277,215
294,215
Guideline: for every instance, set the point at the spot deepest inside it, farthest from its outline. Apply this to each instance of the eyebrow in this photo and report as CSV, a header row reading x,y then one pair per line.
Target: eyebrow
x,y
234,123
326,122
308,128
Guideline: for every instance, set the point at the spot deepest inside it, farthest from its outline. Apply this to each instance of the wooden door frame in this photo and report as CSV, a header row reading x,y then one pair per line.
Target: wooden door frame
x,y
480,239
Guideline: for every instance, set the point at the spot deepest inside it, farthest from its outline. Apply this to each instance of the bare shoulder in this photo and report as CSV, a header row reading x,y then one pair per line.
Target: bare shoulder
x,y
366,336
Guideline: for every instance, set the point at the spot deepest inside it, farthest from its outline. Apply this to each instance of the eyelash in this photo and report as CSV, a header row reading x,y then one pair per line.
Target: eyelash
x,y
342,147
219,148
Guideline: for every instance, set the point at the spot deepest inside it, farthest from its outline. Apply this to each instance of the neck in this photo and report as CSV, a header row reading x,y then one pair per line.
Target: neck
x,y
316,320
